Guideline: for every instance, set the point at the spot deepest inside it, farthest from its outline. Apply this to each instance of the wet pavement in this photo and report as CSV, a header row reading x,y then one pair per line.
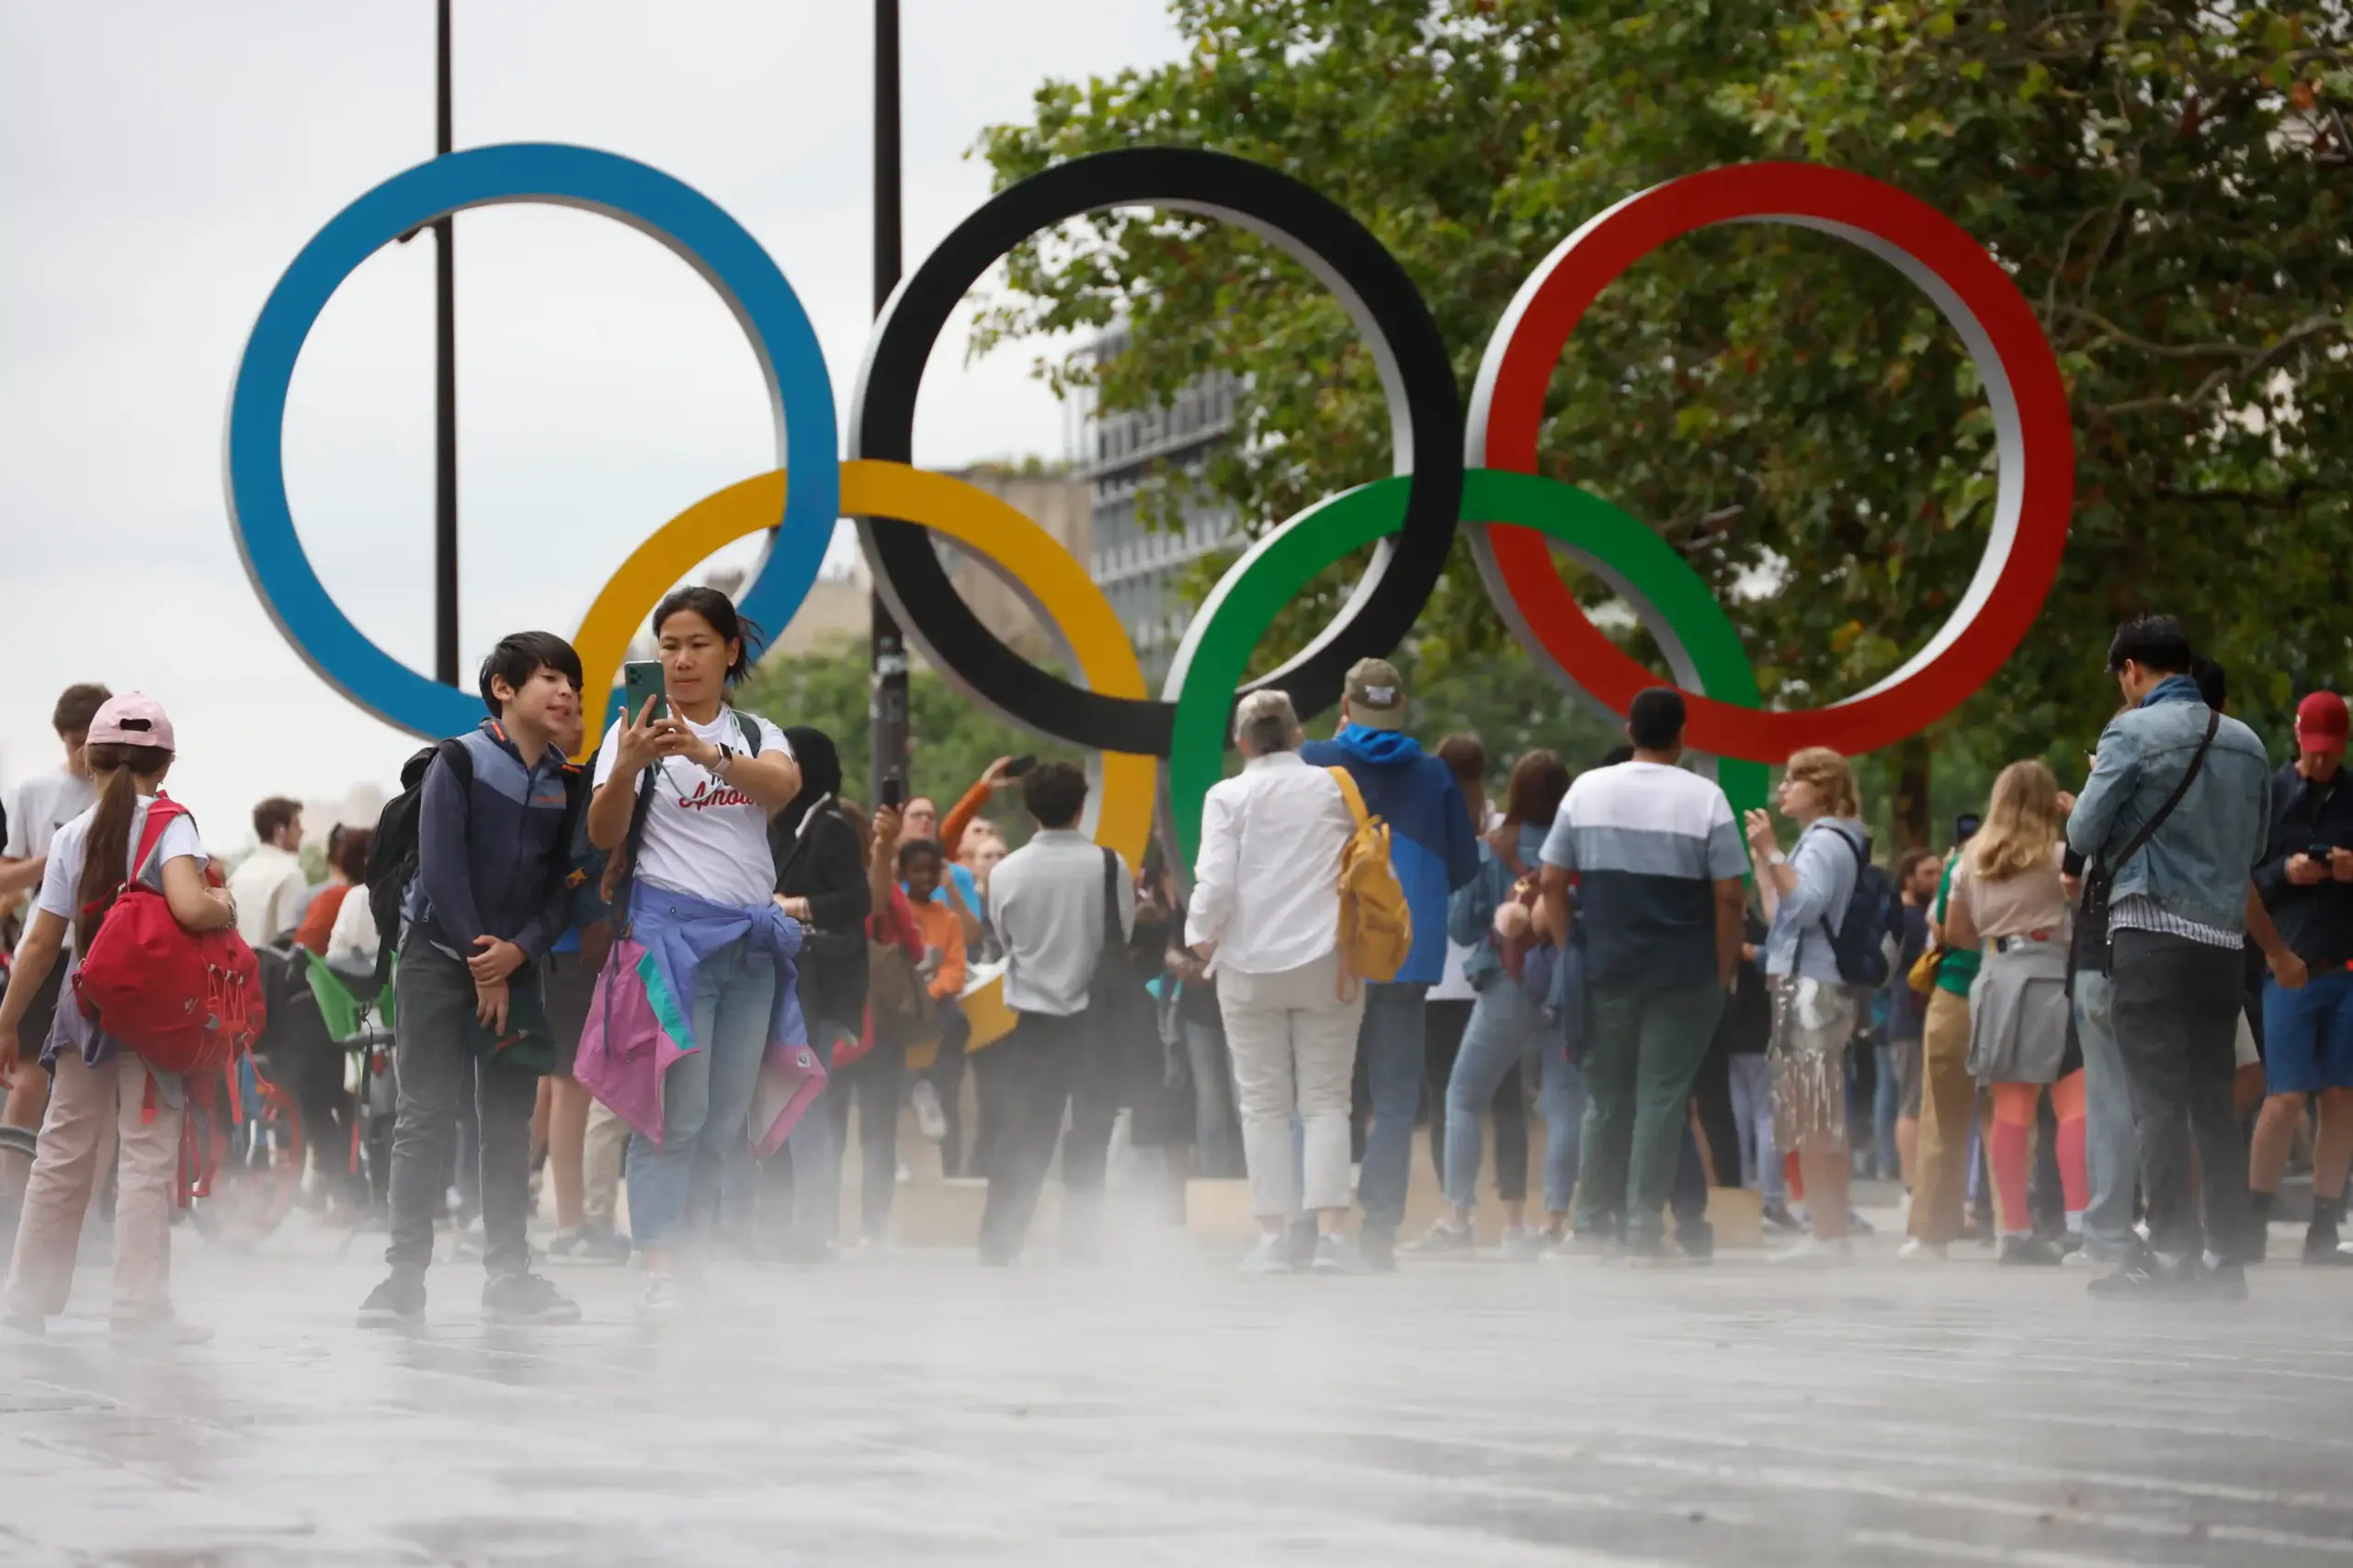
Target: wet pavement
x,y
916,1409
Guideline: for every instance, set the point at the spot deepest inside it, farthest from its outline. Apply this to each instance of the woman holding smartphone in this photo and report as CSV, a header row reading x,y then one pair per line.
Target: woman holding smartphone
x,y
685,788
97,1082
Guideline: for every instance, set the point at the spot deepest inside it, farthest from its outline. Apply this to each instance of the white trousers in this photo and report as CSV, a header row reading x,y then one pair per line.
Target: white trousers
x,y
1295,1047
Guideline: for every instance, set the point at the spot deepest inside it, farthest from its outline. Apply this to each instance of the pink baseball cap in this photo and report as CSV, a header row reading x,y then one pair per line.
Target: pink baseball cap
x,y
134,719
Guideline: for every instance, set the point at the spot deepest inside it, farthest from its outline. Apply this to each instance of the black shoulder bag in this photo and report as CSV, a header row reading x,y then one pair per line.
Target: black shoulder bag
x,y
2091,918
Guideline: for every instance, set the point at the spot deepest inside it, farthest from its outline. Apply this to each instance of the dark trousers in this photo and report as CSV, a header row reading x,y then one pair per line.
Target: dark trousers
x,y
990,1067
2176,1012
1719,1126
946,1075
1448,1017
874,1081
438,1071
1051,1064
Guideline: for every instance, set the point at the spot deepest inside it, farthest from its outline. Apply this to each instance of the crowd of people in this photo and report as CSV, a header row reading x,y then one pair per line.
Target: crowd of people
x,y
682,969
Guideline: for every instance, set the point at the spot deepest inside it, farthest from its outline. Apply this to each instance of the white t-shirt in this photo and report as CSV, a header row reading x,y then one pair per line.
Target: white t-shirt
x,y
61,882
702,837
44,803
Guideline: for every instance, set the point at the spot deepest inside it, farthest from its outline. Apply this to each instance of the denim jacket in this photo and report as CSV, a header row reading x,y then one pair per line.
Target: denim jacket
x,y
2197,865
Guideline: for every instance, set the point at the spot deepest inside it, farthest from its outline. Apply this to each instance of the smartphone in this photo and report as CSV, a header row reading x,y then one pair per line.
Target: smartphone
x,y
894,791
2319,852
1020,765
1965,826
640,679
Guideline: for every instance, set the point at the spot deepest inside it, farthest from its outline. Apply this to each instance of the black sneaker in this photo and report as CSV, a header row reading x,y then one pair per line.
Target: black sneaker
x,y
526,1298
2147,1276
1379,1250
2320,1249
399,1300
2219,1282
1779,1217
2027,1252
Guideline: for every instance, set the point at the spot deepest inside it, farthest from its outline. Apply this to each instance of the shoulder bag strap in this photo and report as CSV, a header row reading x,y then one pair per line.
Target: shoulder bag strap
x,y
160,817
625,879
1113,938
1350,793
2189,775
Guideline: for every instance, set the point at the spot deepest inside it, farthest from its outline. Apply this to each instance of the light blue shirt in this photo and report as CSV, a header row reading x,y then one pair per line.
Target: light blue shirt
x,y
1827,859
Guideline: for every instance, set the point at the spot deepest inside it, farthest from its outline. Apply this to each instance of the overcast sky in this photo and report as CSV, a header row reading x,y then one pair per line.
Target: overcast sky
x,y
161,163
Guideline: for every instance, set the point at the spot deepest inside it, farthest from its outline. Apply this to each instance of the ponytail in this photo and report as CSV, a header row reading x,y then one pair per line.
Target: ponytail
x,y
107,850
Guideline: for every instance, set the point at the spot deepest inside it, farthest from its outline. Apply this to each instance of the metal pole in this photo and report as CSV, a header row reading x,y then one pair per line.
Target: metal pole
x,y
445,397
887,702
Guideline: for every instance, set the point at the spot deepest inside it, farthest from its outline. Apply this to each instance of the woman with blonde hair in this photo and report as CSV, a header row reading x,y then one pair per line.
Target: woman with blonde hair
x,y
2010,904
1815,1009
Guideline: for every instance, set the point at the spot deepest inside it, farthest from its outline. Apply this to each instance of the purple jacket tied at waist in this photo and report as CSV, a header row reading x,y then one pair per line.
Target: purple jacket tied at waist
x,y
642,1017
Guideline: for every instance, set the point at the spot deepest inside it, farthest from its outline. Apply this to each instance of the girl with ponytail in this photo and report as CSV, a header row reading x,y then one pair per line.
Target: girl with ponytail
x,y
96,1079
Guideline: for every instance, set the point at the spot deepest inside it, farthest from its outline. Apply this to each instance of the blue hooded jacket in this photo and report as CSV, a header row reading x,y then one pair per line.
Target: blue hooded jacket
x,y
1431,843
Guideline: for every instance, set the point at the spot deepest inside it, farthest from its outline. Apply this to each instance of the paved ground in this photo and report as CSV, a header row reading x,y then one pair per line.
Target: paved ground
x,y
917,1410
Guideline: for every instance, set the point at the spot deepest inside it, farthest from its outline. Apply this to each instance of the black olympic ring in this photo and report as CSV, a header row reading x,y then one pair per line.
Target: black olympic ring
x,y
1424,415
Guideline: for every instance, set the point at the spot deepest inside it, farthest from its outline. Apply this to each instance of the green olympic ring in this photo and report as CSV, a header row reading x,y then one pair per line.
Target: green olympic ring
x,y
1679,609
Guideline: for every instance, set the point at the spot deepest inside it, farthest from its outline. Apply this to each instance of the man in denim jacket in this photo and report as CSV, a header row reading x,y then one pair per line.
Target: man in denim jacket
x,y
2178,917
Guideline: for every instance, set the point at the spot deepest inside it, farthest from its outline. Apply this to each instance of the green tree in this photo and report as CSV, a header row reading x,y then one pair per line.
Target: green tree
x,y
2167,180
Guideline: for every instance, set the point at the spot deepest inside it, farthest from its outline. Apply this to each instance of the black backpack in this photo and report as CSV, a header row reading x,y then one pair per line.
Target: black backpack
x,y
1873,926
392,855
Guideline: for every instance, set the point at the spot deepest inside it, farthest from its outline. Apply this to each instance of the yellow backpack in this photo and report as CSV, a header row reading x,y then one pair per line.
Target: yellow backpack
x,y
1376,924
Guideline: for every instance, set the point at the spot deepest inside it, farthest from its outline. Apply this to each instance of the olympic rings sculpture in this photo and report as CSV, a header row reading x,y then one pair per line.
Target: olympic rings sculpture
x,y
1452,471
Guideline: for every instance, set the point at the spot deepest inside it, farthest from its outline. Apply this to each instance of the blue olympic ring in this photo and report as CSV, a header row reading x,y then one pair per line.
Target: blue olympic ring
x,y
683,219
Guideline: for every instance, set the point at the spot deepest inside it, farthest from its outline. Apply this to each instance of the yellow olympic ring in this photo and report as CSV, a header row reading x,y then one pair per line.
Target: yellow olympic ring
x,y
948,505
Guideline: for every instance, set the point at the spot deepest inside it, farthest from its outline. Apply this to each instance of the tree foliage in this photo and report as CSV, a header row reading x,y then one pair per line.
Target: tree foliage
x,y
2167,180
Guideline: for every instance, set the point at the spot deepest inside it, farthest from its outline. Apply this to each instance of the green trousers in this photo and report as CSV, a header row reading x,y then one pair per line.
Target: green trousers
x,y
1642,1050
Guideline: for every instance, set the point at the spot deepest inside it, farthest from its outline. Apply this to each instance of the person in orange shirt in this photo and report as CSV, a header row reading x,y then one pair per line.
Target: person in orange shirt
x,y
922,862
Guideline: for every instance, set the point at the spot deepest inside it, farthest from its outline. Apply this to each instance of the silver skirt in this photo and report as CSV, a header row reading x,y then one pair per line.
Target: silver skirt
x,y
1813,1021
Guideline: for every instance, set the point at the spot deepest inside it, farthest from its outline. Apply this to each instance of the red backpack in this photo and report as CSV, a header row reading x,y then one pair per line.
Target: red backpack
x,y
186,1001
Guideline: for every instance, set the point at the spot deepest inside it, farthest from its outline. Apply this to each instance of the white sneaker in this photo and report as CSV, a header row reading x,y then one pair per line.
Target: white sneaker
x,y
1271,1255
1914,1250
1814,1252
929,1116
662,1302
1522,1244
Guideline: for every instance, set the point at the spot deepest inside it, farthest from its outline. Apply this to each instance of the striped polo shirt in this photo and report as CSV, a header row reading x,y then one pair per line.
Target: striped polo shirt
x,y
1648,844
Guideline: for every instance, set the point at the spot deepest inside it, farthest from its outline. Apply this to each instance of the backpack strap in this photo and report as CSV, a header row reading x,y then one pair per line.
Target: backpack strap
x,y
749,728
160,817
1350,793
1113,938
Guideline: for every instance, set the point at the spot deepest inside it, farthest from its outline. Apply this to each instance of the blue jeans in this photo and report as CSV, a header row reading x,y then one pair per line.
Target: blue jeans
x,y
1217,1135
1506,1026
1392,1041
706,1098
1887,1103
2111,1147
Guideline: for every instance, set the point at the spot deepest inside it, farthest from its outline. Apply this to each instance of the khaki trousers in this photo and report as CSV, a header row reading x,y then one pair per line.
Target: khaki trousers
x,y
602,1166
91,1108
1948,1102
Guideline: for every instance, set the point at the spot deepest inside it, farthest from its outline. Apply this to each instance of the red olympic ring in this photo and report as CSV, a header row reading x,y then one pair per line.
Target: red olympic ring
x,y
2037,476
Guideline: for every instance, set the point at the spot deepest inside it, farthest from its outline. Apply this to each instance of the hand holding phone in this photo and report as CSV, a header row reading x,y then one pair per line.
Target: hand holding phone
x,y
893,793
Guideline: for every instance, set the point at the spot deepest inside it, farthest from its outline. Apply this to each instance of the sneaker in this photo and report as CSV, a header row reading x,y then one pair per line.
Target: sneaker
x,y
2219,1282
582,1244
526,1298
1654,1254
2322,1250
2148,1276
1271,1255
930,1117
1522,1244
158,1326
1914,1250
1858,1226
1696,1240
1445,1240
1340,1254
1583,1246
1812,1252
399,1300
661,1302
1777,1216
2027,1252
1376,1248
